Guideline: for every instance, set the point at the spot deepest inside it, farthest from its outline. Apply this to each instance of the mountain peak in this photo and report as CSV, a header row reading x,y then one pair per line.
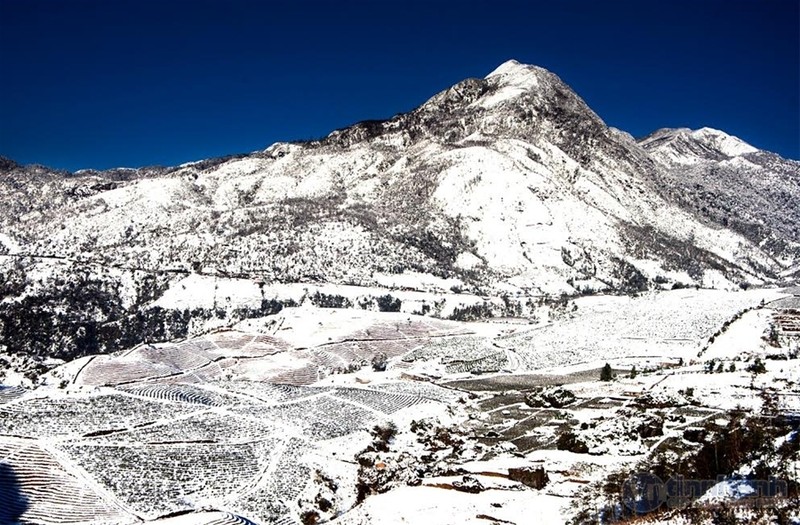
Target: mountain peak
x,y
517,74
505,67
724,143
686,145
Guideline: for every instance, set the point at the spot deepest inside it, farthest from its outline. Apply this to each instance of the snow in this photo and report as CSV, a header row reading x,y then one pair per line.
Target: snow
x,y
9,243
722,142
449,507
674,144
203,291
729,490
416,281
743,337
146,193
515,74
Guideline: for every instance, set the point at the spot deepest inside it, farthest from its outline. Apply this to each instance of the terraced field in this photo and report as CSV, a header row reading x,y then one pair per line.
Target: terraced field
x,y
151,449
668,325
239,428
788,322
51,493
175,428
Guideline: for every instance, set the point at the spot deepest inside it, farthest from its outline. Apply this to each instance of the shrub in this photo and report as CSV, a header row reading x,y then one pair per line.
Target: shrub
x,y
322,300
387,303
379,362
382,435
571,442
309,517
472,312
757,366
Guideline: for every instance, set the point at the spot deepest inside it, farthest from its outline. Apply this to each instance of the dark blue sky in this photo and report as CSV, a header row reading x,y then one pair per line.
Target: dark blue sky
x,y
108,83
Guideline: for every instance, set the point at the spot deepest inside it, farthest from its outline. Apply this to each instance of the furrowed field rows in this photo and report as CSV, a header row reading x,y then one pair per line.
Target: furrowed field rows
x,y
180,392
113,371
271,393
231,519
81,415
204,518
158,479
448,349
8,394
409,330
204,427
365,350
658,326
53,496
304,375
245,345
380,401
264,507
425,390
178,359
291,474
203,358
312,417
491,363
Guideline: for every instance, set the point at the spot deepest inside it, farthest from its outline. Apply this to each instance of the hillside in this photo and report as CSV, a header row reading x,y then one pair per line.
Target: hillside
x,y
507,191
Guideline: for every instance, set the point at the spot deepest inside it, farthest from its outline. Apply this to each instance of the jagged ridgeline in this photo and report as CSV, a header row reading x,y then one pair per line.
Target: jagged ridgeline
x,y
492,195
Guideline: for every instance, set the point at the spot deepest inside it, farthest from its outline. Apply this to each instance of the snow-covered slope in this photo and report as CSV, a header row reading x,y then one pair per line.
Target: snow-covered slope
x,y
686,146
509,184
728,183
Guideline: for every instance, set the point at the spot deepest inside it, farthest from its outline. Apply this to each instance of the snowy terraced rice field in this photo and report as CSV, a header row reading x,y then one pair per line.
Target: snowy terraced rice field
x,y
260,357
170,448
182,393
382,402
213,427
317,418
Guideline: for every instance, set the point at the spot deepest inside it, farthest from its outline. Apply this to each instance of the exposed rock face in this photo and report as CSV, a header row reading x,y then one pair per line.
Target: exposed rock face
x,y
506,186
469,484
555,397
534,477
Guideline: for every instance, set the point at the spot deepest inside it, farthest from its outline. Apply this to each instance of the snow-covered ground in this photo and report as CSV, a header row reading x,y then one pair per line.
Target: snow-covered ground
x,y
270,421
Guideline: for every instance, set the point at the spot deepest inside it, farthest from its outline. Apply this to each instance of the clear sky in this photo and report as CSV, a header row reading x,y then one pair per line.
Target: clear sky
x,y
104,83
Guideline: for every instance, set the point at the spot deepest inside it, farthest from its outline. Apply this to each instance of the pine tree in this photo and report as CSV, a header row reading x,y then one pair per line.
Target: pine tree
x,y
633,372
605,373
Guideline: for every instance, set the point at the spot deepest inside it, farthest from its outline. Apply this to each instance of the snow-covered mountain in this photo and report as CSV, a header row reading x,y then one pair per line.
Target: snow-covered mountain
x,y
727,182
506,186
